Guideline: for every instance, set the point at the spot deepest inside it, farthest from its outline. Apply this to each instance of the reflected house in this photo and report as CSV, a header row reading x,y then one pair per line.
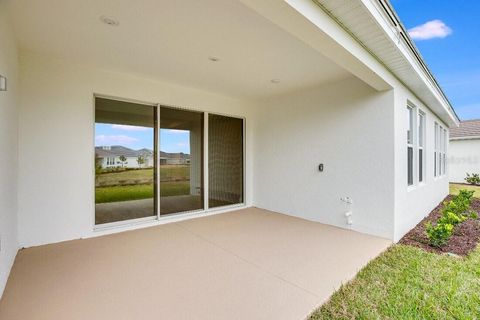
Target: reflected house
x,y
112,156
179,158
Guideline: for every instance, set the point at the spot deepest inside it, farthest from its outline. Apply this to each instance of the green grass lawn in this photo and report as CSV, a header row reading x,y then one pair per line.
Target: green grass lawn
x,y
137,192
409,283
174,172
167,172
455,188
113,177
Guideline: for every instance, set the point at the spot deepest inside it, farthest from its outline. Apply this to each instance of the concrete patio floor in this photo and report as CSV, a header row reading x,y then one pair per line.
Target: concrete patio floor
x,y
246,264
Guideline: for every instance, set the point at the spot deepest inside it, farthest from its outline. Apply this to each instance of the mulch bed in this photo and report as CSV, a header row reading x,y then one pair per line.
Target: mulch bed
x,y
465,238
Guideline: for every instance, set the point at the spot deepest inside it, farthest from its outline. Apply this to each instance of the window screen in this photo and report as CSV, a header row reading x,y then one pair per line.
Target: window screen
x,y
225,156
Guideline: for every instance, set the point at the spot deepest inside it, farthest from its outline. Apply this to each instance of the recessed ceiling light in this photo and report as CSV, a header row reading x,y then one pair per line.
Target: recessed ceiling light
x,y
214,59
275,81
111,21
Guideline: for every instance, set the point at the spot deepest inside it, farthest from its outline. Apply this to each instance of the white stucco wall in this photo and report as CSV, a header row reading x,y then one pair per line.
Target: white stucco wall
x,y
413,203
356,132
8,147
337,44
348,127
464,157
56,120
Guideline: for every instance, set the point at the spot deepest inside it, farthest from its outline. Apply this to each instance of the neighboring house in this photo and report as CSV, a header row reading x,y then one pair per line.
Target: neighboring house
x,y
111,157
316,109
464,150
174,158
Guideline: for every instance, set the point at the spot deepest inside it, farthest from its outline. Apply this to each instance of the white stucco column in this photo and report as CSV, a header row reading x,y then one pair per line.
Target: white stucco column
x,y
195,159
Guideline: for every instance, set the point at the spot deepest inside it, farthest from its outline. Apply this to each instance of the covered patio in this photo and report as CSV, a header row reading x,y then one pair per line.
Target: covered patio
x,y
245,264
275,210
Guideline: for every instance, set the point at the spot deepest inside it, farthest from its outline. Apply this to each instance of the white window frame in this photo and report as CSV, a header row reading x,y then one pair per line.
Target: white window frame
x,y
412,143
417,141
435,151
440,158
157,219
421,138
440,153
444,146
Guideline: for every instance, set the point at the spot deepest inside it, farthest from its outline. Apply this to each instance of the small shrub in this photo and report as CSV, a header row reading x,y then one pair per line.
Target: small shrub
x,y
450,206
464,201
473,178
473,215
454,212
460,204
467,195
439,234
451,218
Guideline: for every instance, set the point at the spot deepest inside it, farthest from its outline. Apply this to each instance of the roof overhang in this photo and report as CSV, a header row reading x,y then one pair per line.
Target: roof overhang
x,y
377,27
305,20
381,49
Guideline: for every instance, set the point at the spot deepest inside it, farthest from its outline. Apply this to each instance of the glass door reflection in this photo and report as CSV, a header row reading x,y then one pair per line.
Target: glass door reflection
x,y
181,161
125,160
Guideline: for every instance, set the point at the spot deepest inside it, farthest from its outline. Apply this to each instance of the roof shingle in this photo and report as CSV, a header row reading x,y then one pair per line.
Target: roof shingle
x,y
467,129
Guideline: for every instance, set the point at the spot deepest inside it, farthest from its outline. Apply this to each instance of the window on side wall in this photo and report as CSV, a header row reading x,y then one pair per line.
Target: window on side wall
x,y
410,144
444,153
440,151
435,153
421,146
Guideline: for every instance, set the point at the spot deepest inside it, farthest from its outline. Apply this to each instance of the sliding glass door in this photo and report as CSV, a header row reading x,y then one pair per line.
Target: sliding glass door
x,y
150,161
125,160
181,161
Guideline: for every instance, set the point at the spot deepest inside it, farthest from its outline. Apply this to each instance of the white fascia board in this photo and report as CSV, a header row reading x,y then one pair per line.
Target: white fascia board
x,y
305,20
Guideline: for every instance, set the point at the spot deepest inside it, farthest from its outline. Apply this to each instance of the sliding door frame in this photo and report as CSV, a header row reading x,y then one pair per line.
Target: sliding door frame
x,y
157,160
157,146
205,161
156,205
203,179
244,162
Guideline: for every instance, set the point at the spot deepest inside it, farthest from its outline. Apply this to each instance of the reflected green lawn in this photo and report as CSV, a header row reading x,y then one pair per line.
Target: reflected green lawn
x,y
137,192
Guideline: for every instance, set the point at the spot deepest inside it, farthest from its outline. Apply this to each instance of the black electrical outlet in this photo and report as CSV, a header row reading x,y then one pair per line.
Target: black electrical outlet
x,y
320,167
3,83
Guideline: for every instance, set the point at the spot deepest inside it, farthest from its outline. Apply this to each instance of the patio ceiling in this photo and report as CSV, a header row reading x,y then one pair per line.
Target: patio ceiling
x,y
173,40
